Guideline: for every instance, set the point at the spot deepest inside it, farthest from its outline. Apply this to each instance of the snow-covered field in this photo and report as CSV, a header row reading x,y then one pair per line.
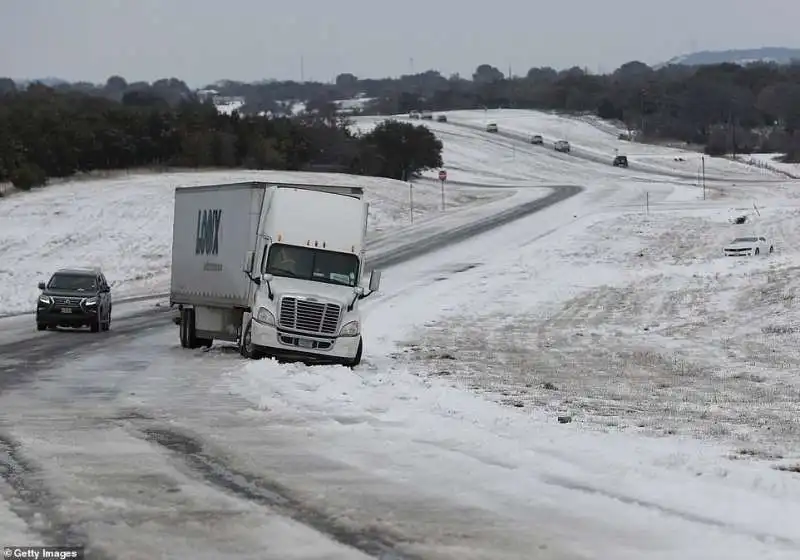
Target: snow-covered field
x,y
772,161
124,224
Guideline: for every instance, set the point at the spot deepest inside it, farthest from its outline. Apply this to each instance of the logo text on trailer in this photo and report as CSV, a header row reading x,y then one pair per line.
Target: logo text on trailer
x,y
208,232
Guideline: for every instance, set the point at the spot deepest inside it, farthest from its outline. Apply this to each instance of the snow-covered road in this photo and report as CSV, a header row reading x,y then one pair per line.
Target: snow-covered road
x,y
444,443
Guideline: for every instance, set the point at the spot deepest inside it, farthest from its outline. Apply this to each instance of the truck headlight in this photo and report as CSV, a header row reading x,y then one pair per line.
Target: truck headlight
x,y
45,300
265,316
353,328
89,302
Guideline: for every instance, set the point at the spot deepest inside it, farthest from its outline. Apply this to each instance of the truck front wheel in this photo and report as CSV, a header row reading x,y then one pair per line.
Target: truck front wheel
x,y
246,348
357,359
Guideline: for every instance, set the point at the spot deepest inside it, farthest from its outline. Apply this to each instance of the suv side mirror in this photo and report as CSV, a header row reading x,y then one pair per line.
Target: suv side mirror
x,y
106,289
42,286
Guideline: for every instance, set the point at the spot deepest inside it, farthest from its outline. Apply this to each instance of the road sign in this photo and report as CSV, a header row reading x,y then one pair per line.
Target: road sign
x,y
443,175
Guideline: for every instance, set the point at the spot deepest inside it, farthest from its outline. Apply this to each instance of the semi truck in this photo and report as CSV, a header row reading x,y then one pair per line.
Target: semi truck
x,y
278,269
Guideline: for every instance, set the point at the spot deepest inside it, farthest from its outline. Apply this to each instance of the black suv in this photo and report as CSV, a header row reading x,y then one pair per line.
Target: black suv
x,y
74,298
621,161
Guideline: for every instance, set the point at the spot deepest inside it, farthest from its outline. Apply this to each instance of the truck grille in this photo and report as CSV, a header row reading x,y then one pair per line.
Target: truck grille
x,y
309,316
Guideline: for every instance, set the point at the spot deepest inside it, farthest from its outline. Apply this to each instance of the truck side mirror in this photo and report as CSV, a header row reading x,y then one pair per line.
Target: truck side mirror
x,y
248,262
42,286
374,280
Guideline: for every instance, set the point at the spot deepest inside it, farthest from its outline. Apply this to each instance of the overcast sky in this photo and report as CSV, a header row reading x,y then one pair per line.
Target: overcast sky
x,y
201,41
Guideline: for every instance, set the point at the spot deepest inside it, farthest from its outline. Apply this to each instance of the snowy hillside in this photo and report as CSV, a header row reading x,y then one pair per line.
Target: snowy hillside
x,y
778,55
125,224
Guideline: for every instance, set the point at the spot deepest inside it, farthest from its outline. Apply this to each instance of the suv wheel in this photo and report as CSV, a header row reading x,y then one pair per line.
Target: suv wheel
x,y
41,326
94,326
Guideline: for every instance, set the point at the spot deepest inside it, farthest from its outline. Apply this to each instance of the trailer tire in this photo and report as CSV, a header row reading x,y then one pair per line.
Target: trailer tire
x,y
182,330
188,335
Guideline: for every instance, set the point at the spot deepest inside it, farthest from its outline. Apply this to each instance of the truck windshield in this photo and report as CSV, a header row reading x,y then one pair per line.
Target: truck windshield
x,y
313,264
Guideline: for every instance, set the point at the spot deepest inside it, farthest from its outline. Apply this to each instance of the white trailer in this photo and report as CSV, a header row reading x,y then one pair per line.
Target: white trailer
x,y
276,268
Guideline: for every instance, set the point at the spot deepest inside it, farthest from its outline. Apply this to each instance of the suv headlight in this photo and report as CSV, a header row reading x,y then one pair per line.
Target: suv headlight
x,y
89,302
265,316
353,328
45,300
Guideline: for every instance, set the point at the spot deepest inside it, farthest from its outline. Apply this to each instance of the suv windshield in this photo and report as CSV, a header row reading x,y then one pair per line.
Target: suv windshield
x,y
72,282
317,265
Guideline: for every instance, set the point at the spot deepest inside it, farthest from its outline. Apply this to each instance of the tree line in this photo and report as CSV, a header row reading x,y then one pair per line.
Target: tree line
x,y
727,108
57,132
73,127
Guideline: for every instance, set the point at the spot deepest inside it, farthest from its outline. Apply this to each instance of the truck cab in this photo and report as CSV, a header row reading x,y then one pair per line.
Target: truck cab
x,y
308,271
306,307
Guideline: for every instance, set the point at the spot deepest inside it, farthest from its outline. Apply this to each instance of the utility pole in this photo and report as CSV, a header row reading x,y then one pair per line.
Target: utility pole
x,y
411,200
411,65
703,174
641,109
302,69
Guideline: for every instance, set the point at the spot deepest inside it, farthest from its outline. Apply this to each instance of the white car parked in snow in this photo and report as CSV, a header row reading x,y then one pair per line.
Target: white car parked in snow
x,y
748,246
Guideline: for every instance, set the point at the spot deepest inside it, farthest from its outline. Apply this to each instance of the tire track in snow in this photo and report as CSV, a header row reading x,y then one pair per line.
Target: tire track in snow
x,y
216,472
672,512
36,505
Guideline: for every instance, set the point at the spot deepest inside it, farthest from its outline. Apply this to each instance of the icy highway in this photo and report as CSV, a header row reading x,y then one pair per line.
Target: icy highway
x,y
123,443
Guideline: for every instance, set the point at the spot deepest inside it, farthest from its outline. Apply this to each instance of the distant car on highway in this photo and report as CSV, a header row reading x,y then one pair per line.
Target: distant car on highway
x,y
562,146
491,127
427,115
413,115
748,246
620,161
441,118
74,297
537,139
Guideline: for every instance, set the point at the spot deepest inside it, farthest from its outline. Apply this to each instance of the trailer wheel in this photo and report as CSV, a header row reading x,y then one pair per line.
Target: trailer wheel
x,y
188,335
182,329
